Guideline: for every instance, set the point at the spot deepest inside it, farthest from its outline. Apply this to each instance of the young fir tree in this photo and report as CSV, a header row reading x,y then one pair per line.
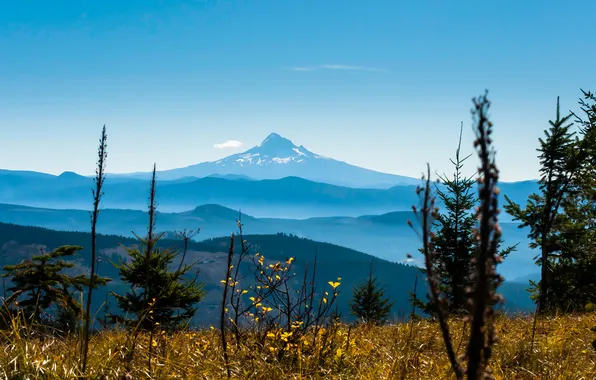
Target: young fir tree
x,y
42,284
369,303
559,166
160,294
482,295
454,242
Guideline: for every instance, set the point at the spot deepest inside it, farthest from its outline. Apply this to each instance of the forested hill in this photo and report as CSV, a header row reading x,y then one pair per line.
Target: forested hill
x,y
20,242
26,235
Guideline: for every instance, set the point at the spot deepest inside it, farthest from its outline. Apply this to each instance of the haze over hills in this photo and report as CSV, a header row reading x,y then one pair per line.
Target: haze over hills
x,y
290,197
386,236
277,157
208,195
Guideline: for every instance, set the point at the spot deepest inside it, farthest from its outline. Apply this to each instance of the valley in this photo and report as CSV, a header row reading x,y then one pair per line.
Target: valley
x,y
333,261
282,214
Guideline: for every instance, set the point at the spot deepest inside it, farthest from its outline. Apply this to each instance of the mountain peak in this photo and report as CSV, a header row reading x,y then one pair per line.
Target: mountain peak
x,y
211,211
277,140
70,175
273,135
276,147
274,150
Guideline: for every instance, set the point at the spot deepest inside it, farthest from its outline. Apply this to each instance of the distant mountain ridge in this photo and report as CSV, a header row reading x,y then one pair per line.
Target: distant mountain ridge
x,y
289,197
278,157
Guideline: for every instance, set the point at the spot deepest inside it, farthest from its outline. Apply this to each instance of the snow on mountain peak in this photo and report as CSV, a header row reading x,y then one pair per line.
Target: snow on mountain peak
x,y
275,149
278,157
276,141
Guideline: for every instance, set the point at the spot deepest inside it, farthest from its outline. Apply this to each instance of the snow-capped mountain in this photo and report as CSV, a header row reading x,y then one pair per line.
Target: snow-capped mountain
x,y
274,150
277,157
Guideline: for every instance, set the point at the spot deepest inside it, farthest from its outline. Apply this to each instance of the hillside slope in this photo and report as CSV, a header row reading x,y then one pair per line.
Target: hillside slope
x,y
19,242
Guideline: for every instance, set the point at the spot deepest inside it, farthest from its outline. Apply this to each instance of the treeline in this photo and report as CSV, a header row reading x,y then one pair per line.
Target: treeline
x,y
562,216
462,247
462,250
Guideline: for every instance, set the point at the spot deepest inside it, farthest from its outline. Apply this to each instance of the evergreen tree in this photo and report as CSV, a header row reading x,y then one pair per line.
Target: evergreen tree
x,y
171,298
559,167
574,287
42,284
454,242
368,302
160,295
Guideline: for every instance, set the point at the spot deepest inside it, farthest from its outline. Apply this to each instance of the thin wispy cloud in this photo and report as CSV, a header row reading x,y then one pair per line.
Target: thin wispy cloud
x,y
229,144
337,67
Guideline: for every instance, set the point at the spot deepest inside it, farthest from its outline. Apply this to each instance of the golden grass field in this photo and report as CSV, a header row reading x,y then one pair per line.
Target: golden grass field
x,y
562,350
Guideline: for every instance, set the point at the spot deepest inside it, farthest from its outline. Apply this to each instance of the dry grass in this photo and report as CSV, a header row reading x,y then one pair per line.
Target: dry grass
x,y
562,351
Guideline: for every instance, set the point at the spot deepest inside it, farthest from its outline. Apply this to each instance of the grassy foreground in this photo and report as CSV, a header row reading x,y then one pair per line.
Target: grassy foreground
x,y
562,350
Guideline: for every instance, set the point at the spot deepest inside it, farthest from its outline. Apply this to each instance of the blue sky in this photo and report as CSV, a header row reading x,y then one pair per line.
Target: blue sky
x,y
379,84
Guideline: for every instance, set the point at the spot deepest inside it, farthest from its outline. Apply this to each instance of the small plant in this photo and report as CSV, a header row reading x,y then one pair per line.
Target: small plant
x,y
368,302
270,307
97,194
223,311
